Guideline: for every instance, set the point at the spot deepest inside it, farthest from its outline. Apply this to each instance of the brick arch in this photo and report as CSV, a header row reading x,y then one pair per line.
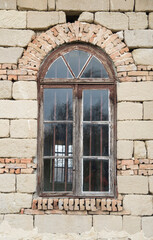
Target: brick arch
x,y
96,35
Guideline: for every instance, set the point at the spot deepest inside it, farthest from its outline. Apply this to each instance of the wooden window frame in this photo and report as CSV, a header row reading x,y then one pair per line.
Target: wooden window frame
x,y
78,85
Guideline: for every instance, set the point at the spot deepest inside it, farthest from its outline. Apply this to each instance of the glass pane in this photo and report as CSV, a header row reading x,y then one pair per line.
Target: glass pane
x,y
58,174
95,175
94,69
95,140
76,59
58,139
58,69
95,105
58,104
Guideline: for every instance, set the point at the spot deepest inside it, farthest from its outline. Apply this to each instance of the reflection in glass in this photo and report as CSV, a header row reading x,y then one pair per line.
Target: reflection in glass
x,y
95,175
76,59
58,139
95,140
95,105
58,104
58,69
94,69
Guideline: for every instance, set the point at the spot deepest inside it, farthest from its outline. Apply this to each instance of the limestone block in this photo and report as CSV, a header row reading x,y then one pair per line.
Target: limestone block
x,y
131,224
143,56
137,20
10,55
129,111
18,148
135,130
19,38
51,4
18,109
139,149
139,38
23,128
151,20
61,17
25,90
107,222
13,202
124,149
7,4
142,6
41,20
7,183
26,183
147,226
149,145
82,5
66,223
138,204
121,5
148,110
132,184
112,20
5,89
1,218
120,35
4,128
151,184
86,17
12,19
32,4
135,91
20,221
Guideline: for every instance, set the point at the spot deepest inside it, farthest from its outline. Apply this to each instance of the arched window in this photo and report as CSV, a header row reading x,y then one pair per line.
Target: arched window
x,y
76,123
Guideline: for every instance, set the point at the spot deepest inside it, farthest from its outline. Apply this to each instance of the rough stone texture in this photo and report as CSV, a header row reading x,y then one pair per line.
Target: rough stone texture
x,y
151,20
25,90
142,6
138,91
124,149
62,17
129,111
132,184
20,221
111,20
10,55
51,4
137,20
12,19
148,110
7,183
26,183
66,223
4,128
82,5
151,184
86,17
7,4
139,38
42,20
120,35
121,5
17,147
135,130
139,149
23,128
147,226
18,109
131,224
149,145
138,204
107,222
1,218
5,89
13,202
19,38
143,56
32,4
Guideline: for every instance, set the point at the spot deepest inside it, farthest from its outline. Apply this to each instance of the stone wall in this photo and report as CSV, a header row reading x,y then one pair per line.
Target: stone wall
x,y
29,30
